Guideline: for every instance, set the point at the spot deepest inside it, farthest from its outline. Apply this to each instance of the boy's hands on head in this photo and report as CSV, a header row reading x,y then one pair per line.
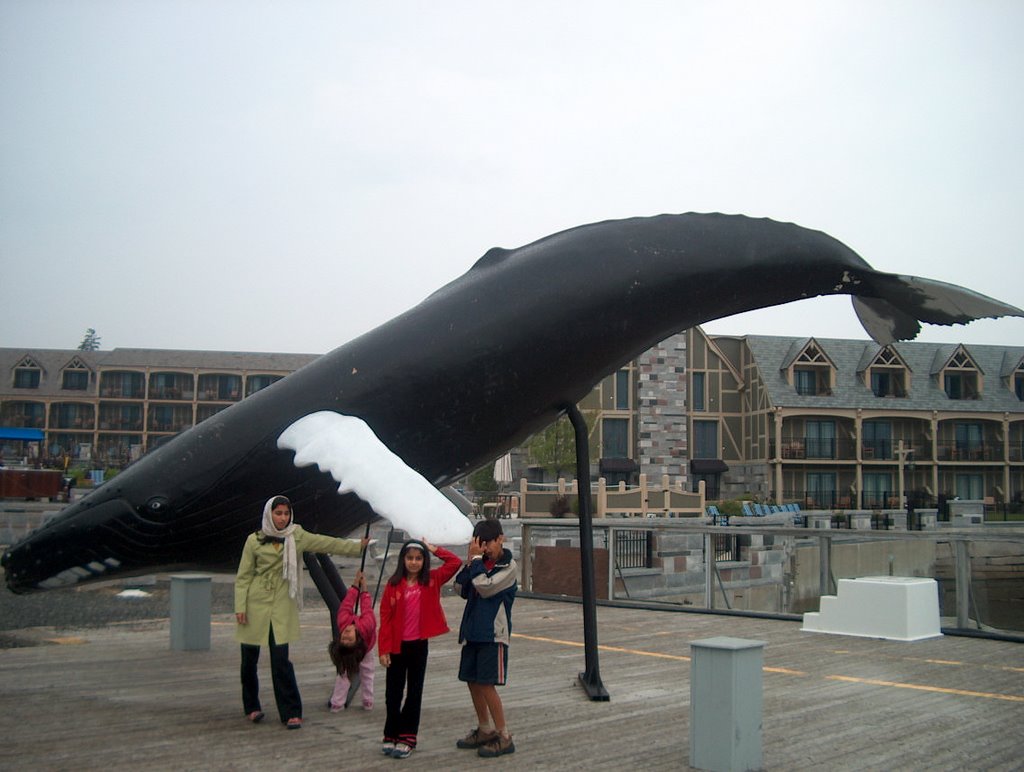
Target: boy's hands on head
x,y
476,548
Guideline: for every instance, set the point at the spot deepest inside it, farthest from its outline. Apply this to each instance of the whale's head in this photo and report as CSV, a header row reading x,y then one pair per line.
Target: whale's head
x,y
176,508
76,545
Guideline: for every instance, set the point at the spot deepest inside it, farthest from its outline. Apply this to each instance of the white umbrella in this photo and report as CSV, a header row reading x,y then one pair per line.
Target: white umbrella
x,y
503,470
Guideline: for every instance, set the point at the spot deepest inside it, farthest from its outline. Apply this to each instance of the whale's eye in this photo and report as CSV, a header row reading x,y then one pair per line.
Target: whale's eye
x,y
157,505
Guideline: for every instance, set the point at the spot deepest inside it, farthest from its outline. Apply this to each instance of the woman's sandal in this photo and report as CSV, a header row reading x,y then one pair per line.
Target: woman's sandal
x,y
256,716
294,723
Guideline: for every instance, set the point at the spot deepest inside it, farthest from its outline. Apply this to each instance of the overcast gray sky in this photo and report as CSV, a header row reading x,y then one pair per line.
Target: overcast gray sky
x,y
283,176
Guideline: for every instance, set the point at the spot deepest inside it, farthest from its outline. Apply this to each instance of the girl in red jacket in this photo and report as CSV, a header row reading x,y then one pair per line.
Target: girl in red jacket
x,y
410,614
353,651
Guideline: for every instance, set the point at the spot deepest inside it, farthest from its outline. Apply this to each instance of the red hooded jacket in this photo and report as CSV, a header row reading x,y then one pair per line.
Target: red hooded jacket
x,y
432,619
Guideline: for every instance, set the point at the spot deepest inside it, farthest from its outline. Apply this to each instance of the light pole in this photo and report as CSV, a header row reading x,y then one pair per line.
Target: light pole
x,y
902,453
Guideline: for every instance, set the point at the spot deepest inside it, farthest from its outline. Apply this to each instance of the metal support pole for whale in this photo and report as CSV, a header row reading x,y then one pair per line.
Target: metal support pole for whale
x,y
454,382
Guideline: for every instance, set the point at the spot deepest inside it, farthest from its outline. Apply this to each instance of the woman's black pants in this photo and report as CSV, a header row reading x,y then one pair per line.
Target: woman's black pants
x,y
286,690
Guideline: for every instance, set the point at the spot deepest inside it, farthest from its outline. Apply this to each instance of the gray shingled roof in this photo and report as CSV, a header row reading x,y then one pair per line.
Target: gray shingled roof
x,y
926,393
53,361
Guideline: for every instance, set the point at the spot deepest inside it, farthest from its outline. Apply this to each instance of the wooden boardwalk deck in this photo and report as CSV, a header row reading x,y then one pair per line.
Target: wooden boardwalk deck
x,y
119,698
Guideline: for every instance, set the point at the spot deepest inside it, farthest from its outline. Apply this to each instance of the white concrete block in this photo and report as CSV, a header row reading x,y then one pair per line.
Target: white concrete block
x,y
897,608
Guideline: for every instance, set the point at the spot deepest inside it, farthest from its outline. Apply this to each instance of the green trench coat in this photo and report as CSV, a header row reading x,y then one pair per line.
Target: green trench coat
x,y
261,592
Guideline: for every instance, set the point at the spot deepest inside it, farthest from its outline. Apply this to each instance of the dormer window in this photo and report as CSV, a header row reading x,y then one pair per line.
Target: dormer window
x,y
886,383
75,376
1018,386
961,377
812,372
888,374
27,374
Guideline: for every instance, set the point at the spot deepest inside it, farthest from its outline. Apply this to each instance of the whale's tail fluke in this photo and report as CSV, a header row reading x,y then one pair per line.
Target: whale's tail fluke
x,y
898,304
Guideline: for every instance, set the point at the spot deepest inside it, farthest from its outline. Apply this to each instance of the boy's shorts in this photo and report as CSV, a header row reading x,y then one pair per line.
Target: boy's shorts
x,y
484,663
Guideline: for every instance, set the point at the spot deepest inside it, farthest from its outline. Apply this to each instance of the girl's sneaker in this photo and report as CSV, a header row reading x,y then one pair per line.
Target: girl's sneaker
x,y
387,749
401,751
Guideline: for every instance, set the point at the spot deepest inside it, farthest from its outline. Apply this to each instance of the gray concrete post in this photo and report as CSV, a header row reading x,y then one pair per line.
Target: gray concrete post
x,y
190,612
726,696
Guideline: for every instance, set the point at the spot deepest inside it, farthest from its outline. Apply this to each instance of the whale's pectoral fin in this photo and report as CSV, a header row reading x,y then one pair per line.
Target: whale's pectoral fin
x,y
346,448
898,303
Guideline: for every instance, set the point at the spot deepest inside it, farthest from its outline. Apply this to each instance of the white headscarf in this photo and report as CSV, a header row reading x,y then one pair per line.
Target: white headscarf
x,y
292,570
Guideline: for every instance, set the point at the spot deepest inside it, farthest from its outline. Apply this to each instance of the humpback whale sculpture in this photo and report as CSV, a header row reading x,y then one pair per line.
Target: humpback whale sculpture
x,y
473,370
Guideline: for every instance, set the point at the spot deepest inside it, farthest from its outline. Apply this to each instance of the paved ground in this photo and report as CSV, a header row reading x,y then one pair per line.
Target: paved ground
x,y
116,697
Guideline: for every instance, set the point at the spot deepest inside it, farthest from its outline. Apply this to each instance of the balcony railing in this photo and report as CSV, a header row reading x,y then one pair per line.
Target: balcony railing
x,y
970,451
170,393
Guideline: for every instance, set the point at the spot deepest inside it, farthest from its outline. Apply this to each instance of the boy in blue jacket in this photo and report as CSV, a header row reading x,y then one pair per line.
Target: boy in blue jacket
x,y
488,583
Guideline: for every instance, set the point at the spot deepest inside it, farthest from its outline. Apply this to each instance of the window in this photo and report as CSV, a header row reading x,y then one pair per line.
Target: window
x,y
961,385
27,374
75,380
812,372
220,387
969,441
207,411
615,438
1018,386
887,383
888,373
876,439
75,375
970,486
121,417
877,490
26,378
697,394
960,377
170,385
29,415
821,490
256,383
622,390
806,382
122,384
169,418
705,439
820,439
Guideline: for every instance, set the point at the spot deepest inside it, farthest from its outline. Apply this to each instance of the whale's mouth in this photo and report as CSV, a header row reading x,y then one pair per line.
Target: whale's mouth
x,y
66,550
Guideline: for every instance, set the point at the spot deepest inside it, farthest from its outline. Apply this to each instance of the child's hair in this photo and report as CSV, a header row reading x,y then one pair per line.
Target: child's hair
x,y
279,500
346,659
487,530
399,575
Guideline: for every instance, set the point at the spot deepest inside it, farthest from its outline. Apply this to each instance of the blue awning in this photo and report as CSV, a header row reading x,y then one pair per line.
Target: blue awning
x,y
13,433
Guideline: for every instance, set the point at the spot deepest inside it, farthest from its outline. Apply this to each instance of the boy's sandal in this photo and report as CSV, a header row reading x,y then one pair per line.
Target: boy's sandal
x,y
294,723
256,716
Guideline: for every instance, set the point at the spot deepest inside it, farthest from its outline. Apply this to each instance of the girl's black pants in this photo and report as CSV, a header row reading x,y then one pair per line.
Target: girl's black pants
x,y
408,669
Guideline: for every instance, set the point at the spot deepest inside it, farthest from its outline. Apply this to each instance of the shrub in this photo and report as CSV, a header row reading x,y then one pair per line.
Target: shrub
x,y
559,506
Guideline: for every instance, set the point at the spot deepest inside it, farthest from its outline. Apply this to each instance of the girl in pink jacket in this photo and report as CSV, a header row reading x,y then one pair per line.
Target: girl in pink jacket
x,y
357,634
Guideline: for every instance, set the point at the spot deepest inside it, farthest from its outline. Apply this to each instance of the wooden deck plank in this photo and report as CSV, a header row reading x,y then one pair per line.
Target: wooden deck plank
x,y
121,699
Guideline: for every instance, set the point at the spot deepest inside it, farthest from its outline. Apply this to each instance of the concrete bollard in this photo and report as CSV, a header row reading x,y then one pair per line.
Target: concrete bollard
x,y
190,612
726,696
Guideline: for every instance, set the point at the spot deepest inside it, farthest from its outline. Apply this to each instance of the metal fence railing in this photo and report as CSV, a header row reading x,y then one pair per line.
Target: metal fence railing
x,y
783,570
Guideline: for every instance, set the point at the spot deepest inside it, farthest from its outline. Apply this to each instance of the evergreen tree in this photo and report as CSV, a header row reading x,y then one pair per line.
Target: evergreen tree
x,y
91,341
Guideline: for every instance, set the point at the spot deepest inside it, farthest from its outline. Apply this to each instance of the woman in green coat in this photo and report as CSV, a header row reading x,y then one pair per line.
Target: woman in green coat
x,y
268,596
